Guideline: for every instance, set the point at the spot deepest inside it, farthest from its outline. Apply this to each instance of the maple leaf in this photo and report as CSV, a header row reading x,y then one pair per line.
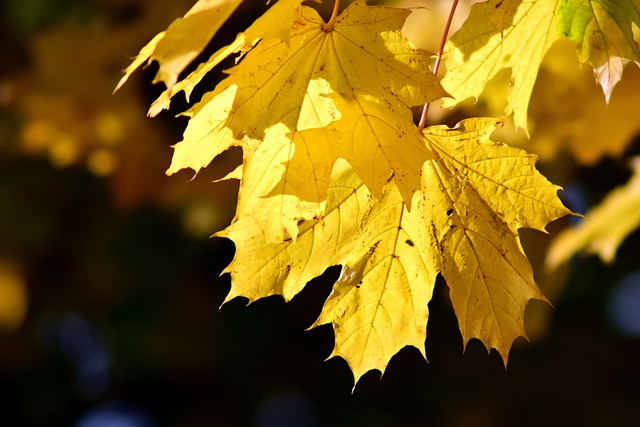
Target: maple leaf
x,y
352,219
274,23
380,302
263,165
335,172
474,197
516,34
500,34
304,81
602,31
478,194
370,144
604,227
261,268
183,41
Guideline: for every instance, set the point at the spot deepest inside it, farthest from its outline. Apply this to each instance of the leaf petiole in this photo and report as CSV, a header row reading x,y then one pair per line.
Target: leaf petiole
x,y
328,27
436,66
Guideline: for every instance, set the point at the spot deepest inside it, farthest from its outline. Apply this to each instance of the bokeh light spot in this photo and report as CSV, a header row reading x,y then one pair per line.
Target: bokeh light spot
x,y
624,305
109,128
102,162
13,296
286,409
115,415
64,151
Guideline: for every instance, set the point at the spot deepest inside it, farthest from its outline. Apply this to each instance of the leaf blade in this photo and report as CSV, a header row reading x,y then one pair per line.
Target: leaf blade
x,y
500,34
603,34
183,40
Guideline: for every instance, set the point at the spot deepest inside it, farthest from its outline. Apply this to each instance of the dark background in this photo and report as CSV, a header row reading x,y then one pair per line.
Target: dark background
x,y
122,324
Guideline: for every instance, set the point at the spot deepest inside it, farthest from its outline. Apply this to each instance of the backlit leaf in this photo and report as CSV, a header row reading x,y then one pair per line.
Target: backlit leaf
x,y
371,144
474,197
274,23
380,302
264,171
261,268
500,34
603,33
603,228
478,194
364,59
335,171
183,41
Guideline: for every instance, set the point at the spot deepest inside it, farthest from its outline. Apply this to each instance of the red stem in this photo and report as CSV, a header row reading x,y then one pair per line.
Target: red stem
x,y
436,67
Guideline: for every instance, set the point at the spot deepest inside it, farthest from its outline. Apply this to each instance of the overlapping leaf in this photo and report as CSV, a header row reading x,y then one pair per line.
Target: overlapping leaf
x,y
185,38
262,169
602,31
370,143
336,173
516,34
478,194
364,65
274,23
500,34
464,223
261,268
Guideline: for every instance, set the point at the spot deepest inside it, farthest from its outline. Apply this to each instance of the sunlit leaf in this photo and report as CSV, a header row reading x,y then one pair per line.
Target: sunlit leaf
x,y
478,194
274,23
363,60
604,227
474,197
603,33
183,41
500,34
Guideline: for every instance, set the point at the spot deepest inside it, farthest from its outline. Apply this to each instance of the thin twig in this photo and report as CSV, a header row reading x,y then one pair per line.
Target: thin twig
x,y
445,34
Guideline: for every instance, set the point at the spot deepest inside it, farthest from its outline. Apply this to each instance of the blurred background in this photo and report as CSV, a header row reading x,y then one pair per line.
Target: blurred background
x,y
110,285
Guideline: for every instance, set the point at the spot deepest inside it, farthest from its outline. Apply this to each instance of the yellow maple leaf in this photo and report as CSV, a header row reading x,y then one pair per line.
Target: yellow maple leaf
x,y
516,34
473,198
274,23
500,34
380,302
363,59
370,144
478,194
603,228
206,136
183,41
261,268
263,171
366,237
